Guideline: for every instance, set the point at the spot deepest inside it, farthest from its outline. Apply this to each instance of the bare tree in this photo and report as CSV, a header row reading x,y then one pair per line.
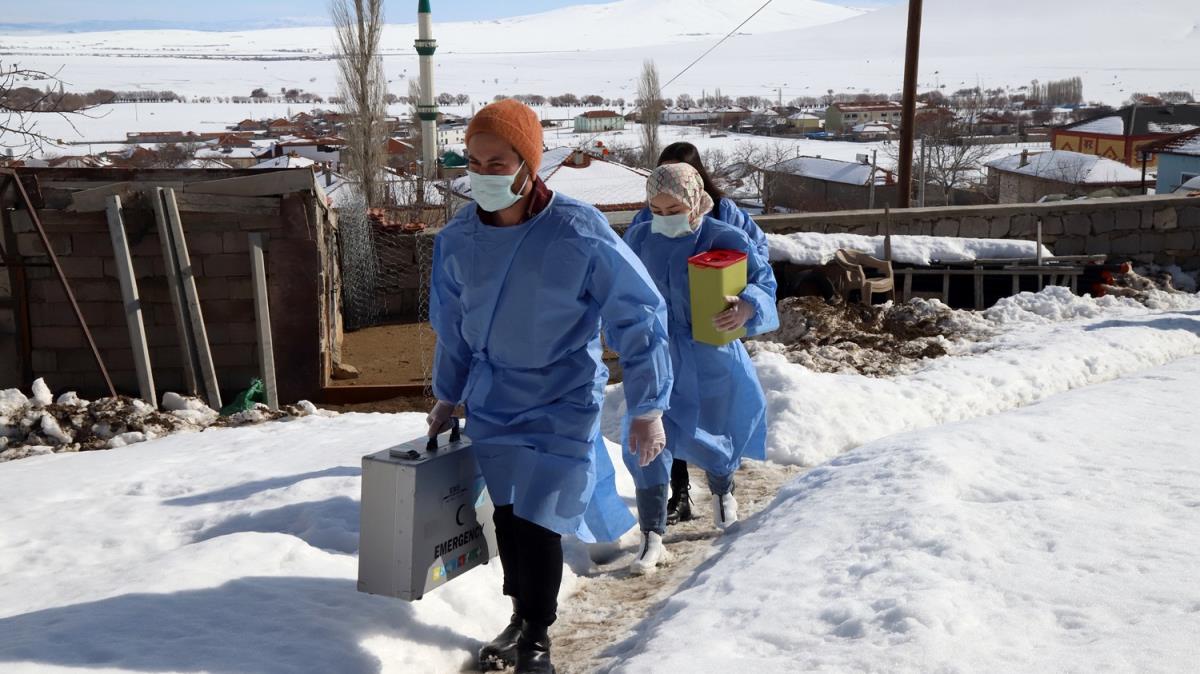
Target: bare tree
x,y
954,154
22,107
363,88
650,107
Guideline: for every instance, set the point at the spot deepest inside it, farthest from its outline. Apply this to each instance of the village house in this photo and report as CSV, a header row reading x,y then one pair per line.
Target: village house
x,y
987,124
1122,135
1028,177
452,135
873,131
1178,160
595,121
842,117
804,122
816,184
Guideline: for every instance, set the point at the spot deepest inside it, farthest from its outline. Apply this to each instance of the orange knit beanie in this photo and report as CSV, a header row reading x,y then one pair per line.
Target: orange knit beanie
x,y
516,123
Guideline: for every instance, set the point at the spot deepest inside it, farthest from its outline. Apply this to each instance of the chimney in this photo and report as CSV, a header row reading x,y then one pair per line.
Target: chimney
x,y
1024,159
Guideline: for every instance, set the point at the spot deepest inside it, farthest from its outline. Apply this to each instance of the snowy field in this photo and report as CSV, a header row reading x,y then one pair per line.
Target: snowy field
x,y
794,48
1025,504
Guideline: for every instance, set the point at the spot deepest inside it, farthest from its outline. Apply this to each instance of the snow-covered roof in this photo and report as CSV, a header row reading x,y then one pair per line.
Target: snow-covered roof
x,y
1157,127
285,162
1192,185
1187,143
808,248
873,127
1113,125
204,164
849,173
803,115
228,153
599,182
403,189
1070,167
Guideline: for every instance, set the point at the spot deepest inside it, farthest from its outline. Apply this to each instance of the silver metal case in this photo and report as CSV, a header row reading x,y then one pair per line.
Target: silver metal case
x,y
426,518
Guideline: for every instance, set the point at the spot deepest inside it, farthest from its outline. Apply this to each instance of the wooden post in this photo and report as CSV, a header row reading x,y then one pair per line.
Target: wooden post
x,y
188,279
262,317
178,301
20,291
908,278
978,288
133,306
946,288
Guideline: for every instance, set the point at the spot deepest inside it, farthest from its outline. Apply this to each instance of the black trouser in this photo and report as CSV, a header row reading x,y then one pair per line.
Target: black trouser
x,y
679,477
532,558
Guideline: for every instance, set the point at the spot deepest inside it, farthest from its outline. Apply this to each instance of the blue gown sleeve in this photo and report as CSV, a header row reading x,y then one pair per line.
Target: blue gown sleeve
x,y
760,292
452,356
742,220
634,316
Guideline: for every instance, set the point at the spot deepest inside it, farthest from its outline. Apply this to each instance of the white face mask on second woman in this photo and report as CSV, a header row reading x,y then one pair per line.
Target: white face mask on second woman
x,y
494,192
671,226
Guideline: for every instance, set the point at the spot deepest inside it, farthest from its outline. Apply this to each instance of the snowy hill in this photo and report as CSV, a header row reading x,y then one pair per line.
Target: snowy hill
x,y
802,47
625,23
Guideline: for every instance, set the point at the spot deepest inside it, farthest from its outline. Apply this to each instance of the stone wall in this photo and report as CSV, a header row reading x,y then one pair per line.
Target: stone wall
x,y
1146,229
300,279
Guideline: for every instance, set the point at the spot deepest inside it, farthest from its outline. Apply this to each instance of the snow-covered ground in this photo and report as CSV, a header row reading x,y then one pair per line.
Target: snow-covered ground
x,y
1044,344
946,548
1058,538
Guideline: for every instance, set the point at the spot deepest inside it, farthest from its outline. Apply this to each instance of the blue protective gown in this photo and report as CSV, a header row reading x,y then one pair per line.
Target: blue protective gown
x,y
517,312
730,213
717,413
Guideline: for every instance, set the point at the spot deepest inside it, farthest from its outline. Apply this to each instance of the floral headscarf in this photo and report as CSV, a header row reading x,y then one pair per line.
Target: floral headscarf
x,y
683,182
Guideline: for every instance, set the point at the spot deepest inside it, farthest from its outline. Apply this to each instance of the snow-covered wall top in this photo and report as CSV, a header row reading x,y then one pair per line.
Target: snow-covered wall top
x,y
807,248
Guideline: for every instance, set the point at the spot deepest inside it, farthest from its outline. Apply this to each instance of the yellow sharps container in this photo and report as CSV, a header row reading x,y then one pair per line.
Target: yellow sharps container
x,y
713,276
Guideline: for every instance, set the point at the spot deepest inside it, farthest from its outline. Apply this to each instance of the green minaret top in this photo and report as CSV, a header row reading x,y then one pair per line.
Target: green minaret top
x,y
423,7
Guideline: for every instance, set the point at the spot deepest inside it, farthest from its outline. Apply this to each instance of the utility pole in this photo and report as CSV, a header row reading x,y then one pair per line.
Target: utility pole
x,y
912,58
427,109
871,192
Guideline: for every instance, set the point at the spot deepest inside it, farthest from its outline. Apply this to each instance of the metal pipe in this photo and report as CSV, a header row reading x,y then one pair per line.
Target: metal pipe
x,y
15,180
909,115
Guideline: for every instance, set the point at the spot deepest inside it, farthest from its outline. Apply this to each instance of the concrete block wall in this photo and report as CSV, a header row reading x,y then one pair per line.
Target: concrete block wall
x,y
219,251
1162,230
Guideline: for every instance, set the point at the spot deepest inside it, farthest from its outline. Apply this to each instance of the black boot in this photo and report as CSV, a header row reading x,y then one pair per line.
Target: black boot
x,y
679,506
533,650
501,652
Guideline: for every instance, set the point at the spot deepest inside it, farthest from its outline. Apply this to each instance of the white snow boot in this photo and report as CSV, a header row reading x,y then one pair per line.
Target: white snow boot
x,y
652,554
724,510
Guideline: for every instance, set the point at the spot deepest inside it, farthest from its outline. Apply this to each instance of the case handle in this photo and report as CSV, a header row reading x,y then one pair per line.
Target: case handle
x,y
455,436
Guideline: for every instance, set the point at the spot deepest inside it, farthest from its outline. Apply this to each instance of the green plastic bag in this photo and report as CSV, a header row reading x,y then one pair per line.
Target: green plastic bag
x,y
246,399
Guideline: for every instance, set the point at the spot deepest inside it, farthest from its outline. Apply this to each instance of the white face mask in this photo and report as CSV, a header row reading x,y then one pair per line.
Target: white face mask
x,y
494,193
671,226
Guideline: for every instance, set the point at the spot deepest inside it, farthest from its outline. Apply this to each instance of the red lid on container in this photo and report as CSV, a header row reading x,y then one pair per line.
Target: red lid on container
x,y
717,259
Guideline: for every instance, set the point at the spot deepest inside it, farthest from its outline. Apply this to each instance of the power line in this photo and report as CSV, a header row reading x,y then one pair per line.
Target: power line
x,y
718,44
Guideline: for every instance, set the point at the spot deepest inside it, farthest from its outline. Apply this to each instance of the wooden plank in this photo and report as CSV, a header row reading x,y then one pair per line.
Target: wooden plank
x,y
133,306
1016,284
908,278
212,203
269,182
262,318
188,278
352,395
946,288
978,290
183,321
96,198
